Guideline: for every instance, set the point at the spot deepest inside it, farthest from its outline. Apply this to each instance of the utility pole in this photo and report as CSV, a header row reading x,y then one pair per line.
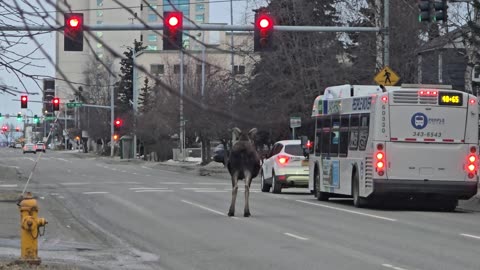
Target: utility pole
x,y
135,102
386,33
112,116
65,132
182,122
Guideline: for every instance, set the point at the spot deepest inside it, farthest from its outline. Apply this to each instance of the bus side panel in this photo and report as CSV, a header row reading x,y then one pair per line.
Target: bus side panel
x,y
471,131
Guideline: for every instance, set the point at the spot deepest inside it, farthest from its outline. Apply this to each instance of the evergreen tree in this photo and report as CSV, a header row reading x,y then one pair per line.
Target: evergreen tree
x,y
145,97
124,87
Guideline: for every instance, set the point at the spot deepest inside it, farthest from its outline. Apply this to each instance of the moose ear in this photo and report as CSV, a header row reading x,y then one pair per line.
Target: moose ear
x,y
252,132
236,131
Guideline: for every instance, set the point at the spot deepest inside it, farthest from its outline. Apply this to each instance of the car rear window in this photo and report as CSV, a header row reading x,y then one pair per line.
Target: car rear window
x,y
294,150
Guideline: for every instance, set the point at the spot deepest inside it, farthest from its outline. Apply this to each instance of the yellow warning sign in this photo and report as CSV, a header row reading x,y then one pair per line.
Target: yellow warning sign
x,y
386,77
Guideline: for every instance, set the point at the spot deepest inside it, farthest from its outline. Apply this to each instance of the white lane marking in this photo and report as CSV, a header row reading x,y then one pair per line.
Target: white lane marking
x,y
31,159
74,184
113,169
147,175
115,183
154,190
95,192
206,208
173,183
347,211
143,188
296,236
226,184
393,267
470,235
123,171
135,173
13,185
193,188
211,191
147,168
62,159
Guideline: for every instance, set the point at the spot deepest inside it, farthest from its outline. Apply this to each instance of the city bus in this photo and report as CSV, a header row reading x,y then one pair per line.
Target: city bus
x,y
411,141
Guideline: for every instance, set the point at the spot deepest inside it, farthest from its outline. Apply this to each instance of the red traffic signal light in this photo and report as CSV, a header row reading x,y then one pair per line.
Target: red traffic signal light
x,y
117,124
23,102
56,104
263,32
73,32
172,30
5,128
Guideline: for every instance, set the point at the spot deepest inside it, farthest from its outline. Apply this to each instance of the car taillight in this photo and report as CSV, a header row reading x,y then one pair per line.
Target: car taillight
x,y
380,160
282,159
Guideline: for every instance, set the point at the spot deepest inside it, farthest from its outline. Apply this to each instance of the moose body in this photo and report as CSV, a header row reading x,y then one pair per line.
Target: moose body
x,y
243,163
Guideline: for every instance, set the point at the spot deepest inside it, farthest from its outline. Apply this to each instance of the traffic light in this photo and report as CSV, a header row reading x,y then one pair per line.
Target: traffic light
x,y
115,137
440,11
56,104
1,116
4,128
73,32
117,124
24,102
172,30
425,14
19,117
35,119
263,32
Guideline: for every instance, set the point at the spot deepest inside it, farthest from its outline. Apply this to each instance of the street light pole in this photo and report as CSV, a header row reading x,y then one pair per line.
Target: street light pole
x,y
135,103
182,122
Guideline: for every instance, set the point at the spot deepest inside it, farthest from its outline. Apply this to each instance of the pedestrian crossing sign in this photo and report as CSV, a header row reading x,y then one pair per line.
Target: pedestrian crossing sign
x,y
386,77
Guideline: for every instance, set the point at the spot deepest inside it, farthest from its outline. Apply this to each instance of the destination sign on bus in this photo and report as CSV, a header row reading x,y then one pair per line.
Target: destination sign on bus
x,y
450,99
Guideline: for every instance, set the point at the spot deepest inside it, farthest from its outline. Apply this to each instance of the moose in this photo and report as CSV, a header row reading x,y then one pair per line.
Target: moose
x,y
243,163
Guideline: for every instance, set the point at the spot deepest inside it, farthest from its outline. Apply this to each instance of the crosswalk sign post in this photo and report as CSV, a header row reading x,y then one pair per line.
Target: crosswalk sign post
x,y
386,77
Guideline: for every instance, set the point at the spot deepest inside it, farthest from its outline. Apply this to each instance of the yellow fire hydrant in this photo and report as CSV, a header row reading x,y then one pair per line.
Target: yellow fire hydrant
x,y
30,229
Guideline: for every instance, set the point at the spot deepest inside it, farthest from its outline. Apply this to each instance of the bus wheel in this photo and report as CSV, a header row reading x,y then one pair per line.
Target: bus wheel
x,y
449,205
357,200
321,196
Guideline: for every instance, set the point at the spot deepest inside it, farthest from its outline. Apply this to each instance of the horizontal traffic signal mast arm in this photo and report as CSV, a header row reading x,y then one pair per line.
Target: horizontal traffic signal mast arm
x,y
205,27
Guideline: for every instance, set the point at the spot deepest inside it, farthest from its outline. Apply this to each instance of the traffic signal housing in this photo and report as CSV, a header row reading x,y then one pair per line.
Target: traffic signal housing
x,y
172,30
263,32
73,32
19,117
23,102
117,124
440,11
424,8
56,104
35,119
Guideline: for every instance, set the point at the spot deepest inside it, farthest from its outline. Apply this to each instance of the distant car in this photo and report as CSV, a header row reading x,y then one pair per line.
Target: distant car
x,y
285,166
41,147
219,154
18,145
29,148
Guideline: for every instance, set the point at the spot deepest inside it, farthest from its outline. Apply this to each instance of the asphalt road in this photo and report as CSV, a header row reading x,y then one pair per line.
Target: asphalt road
x,y
112,215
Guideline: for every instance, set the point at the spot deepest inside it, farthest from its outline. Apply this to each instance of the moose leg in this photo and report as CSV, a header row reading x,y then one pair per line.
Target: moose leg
x,y
248,180
231,211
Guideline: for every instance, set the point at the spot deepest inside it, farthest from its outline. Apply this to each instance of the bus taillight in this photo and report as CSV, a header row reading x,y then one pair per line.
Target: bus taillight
x,y
471,166
380,160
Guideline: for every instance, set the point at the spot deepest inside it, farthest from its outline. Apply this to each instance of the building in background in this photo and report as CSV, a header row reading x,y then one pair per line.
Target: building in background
x,y
71,65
